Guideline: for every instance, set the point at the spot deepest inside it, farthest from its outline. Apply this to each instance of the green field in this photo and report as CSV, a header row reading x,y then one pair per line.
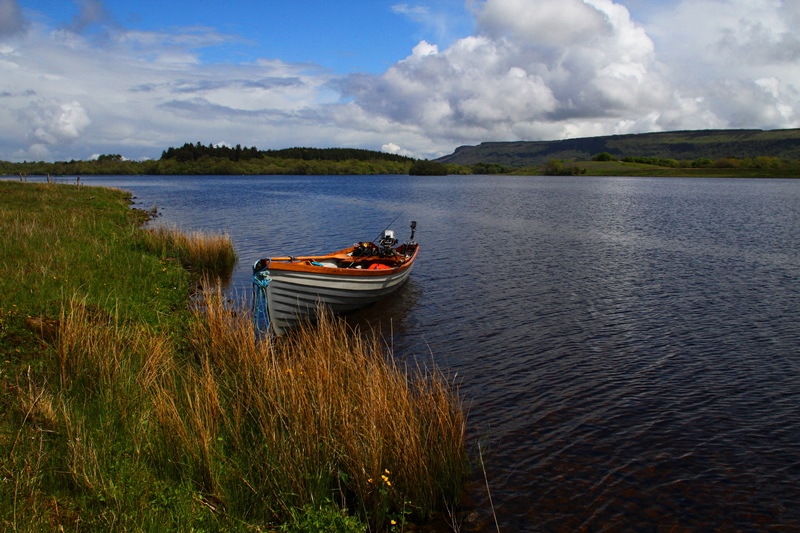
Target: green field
x,y
620,168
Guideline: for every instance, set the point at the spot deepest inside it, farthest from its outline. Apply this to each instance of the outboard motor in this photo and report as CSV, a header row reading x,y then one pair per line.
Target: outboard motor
x,y
387,241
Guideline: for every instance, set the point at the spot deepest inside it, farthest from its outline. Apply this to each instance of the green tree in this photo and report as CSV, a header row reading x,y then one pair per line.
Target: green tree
x,y
489,168
427,168
604,156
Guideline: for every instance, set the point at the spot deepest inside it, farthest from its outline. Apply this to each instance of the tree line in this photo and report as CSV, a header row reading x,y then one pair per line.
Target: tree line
x,y
197,151
199,159
758,162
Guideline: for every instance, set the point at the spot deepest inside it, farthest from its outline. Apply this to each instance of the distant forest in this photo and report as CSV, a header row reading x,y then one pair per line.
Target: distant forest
x,y
198,159
196,152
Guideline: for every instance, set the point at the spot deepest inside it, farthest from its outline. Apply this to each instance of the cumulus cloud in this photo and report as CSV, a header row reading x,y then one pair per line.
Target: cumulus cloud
x,y
392,148
54,122
742,62
533,70
548,69
756,43
546,22
568,68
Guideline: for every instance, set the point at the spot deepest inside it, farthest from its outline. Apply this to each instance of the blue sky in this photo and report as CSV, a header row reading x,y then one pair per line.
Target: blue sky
x,y
85,77
360,35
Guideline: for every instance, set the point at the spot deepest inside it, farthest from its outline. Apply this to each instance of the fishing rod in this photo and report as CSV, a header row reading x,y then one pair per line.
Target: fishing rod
x,y
388,226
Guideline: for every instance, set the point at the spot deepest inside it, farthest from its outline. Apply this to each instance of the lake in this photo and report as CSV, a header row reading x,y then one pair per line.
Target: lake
x,y
628,348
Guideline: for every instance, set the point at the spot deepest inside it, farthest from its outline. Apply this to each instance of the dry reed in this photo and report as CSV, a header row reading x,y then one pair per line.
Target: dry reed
x,y
323,415
196,249
259,429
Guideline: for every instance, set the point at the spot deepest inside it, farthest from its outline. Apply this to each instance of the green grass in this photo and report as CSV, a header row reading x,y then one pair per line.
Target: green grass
x,y
622,168
59,240
123,409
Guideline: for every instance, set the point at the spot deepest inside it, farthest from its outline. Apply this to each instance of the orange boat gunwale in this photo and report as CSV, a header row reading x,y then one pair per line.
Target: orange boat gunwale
x,y
396,263
288,288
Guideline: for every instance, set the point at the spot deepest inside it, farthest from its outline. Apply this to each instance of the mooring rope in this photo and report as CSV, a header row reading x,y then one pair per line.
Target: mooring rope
x,y
261,281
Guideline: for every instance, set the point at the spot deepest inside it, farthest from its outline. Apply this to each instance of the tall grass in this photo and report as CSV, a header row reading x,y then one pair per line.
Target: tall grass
x,y
130,412
195,249
322,416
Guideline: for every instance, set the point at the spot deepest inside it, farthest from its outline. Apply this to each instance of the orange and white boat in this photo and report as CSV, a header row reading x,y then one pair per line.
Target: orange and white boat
x,y
290,289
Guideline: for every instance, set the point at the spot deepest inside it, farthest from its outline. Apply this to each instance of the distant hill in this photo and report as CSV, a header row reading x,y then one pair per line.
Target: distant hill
x,y
680,145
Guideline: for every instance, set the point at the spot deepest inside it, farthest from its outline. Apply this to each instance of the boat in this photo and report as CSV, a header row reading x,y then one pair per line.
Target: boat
x,y
289,290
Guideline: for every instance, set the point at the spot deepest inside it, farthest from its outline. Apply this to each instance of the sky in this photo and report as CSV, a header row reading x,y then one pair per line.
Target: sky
x,y
80,78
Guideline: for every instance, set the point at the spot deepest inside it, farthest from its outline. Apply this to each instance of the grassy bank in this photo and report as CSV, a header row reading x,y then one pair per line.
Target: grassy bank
x,y
633,169
123,409
644,170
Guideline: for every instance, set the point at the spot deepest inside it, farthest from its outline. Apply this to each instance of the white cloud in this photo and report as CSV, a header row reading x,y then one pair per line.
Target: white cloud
x,y
392,148
720,59
544,22
405,9
147,91
568,68
531,70
526,73
53,122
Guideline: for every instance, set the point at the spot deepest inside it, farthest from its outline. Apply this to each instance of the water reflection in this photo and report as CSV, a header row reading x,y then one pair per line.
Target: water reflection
x,y
391,318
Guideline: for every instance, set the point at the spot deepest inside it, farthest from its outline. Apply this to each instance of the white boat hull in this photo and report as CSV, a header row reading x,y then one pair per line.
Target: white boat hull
x,y
289,290
295,296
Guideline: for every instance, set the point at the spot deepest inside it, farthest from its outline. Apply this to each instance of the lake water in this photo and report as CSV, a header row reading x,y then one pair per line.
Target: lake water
x,y
628,349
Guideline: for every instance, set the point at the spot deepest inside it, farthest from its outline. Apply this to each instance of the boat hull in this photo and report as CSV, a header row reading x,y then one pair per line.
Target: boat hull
x,y
295,296
298,288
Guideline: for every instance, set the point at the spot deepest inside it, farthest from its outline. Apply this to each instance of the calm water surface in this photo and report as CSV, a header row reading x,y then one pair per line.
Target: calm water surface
x,y
629,349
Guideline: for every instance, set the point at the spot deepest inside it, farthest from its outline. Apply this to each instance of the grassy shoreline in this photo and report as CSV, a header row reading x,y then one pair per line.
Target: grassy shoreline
x,y
643,170
123,409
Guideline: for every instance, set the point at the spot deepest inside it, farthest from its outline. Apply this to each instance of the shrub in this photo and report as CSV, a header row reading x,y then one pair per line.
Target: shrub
x,y
604,156
556,167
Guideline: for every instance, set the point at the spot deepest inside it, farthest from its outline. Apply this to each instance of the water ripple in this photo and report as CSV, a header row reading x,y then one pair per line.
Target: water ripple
x,y
628,348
